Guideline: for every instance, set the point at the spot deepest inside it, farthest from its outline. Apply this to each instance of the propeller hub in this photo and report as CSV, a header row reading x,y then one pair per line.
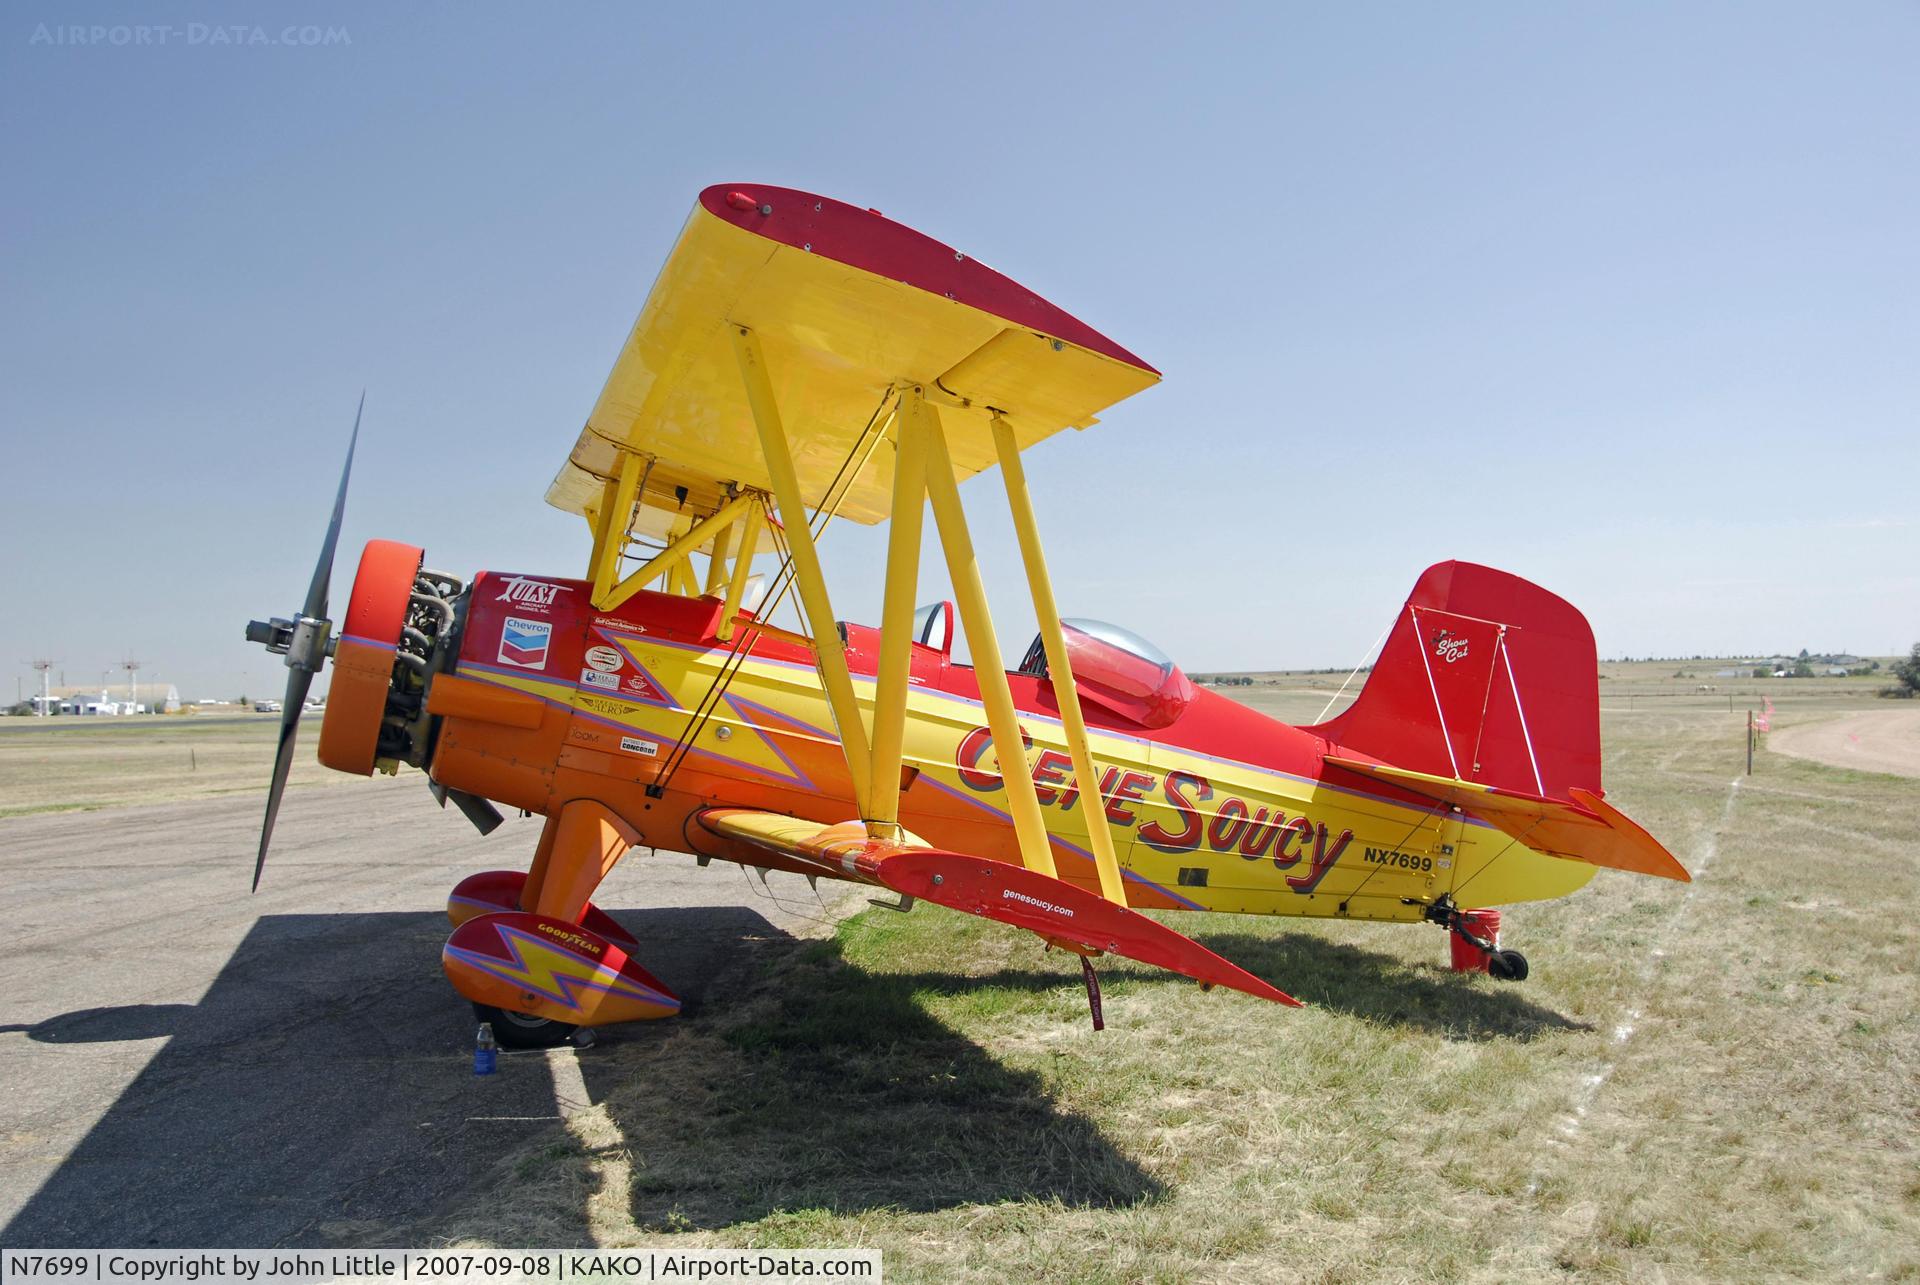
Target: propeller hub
x,y
275,635
307,646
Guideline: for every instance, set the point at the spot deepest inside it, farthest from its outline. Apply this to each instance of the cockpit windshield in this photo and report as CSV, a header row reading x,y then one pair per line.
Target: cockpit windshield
x,y
1119,671
933,626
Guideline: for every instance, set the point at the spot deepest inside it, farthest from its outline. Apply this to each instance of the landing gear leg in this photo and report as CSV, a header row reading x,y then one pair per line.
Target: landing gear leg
x,y
1502,965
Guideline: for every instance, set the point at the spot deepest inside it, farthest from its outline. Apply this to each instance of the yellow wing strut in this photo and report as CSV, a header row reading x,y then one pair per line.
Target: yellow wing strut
x,y
673,557
1066,694
896,618
964,570
812,584
742,569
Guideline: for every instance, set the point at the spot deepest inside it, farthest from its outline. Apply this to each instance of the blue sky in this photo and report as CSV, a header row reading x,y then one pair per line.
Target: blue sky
x,y
1622,298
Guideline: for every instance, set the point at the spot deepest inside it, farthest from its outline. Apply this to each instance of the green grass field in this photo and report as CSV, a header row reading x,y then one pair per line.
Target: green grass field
x,y
1706,1081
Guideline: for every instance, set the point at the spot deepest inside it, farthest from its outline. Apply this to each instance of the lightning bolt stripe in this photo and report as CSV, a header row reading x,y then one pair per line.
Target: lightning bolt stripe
x,y
532,965
792,776
627,645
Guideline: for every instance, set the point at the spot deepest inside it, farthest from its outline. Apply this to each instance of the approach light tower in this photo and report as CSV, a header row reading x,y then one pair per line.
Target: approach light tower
x,y
46,684
133,685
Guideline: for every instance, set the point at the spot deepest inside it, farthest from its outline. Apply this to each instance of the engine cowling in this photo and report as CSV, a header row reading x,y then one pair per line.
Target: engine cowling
x,y
401,625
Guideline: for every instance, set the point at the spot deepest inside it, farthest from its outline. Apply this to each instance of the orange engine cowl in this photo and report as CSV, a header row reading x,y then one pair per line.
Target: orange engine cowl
x,y
364,655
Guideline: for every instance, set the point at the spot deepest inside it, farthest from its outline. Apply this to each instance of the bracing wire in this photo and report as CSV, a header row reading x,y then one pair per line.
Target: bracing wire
x,y
1511,841
745,638
1364,660
1431,814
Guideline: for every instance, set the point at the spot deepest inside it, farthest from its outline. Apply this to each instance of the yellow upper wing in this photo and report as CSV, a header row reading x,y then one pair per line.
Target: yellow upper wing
x,y
847,305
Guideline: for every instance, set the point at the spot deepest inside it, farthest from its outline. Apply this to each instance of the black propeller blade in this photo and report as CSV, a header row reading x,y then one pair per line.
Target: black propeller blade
x,y
297,683
323,569
305,642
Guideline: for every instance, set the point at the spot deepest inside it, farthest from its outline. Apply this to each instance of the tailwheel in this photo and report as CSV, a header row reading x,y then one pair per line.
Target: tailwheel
x,y
1507,966
514,1030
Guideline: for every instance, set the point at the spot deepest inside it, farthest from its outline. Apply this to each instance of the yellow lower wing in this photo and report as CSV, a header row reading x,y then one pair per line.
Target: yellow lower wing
x,y
832,848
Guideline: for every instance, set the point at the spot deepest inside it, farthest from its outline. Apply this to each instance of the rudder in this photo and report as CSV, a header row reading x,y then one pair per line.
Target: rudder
x,y
1484,677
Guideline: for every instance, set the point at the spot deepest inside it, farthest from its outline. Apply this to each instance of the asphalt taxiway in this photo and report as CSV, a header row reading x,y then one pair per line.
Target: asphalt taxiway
x,y
187,1065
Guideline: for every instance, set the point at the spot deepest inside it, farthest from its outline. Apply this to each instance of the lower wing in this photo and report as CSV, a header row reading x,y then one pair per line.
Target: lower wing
x,y
1063,913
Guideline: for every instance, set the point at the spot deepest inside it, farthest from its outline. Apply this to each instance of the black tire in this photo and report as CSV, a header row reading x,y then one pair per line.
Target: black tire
x,y
513,1030
1507,965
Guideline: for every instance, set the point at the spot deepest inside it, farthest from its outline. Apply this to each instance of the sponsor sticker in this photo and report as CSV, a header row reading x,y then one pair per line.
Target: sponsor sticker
x,y
524,643
613,707
604,659
1008,894
573,940
533,595
594,678
1449,646
634,745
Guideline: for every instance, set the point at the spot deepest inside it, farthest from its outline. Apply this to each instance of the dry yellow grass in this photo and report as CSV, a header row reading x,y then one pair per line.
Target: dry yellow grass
x,y
71,764
1715,1082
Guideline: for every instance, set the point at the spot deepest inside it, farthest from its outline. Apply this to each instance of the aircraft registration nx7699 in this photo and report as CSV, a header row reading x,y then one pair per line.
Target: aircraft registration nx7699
x,y
801,361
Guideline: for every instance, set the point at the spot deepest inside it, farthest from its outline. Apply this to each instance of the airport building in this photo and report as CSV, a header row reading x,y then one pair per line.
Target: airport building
x,y
114,698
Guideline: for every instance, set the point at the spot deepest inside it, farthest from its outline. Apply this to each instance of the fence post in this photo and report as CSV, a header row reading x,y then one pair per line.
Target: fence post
x,y
1749,742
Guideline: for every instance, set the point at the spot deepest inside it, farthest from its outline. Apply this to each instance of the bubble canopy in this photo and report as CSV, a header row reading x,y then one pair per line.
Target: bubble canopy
x,y
1118,671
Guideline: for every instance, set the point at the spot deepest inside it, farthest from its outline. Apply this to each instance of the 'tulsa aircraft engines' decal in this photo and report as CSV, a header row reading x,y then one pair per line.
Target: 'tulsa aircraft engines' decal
x,y
1252,832
524,592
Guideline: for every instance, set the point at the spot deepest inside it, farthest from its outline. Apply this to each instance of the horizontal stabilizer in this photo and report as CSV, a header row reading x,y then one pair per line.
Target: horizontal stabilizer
x,y
1063,913
1587,828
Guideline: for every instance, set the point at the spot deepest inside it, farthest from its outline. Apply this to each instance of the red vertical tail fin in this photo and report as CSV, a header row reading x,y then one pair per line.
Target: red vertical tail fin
x,y
1485,677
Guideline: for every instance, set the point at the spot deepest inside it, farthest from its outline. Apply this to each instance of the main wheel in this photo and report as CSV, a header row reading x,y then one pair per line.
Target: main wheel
x,y
513,1030
1507,965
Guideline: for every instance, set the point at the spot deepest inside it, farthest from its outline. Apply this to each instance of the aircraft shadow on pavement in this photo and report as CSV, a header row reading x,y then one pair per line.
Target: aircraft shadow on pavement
x,y
110,1025
321,1093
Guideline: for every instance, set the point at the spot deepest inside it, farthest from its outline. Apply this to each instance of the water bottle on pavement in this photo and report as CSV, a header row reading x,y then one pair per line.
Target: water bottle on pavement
x,y
486,1053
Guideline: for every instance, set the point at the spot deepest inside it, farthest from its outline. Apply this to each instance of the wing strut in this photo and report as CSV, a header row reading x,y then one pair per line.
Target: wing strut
x,y
896,614
963,569
1066,692
829,652
924,472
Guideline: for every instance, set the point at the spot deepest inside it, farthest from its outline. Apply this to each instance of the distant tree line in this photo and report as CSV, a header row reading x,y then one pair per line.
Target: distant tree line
x,y
1908,673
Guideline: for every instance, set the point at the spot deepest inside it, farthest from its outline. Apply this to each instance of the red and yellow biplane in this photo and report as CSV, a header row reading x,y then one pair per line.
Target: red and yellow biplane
x,y
799,361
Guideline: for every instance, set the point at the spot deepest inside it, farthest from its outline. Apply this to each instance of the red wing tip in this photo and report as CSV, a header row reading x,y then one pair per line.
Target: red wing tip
x,y
1275,994
866,239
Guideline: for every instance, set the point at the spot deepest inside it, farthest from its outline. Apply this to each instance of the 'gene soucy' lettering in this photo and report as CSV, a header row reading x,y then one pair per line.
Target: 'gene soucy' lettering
x,y
1253,832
